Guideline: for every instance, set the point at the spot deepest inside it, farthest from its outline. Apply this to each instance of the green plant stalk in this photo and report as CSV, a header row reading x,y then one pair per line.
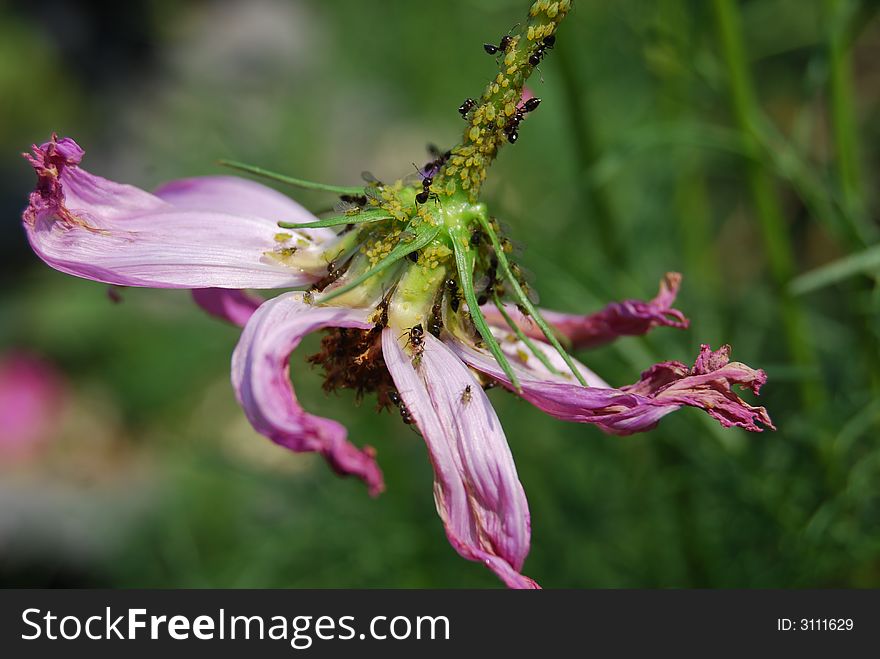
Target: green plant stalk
x,y
777,246
484,133
845,131
586,151
693,208
843,121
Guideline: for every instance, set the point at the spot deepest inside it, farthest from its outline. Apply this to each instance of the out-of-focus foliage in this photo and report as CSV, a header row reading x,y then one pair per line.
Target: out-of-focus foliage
x,y
650,152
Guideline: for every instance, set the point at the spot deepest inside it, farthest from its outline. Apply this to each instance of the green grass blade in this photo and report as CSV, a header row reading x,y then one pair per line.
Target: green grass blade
x,y
865,261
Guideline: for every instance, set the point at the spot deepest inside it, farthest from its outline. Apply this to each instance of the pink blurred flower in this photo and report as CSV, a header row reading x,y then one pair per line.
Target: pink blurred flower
x,y
31,396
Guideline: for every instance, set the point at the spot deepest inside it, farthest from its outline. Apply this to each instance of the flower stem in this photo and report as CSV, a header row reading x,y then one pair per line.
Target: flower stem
x,y
485,131
777,246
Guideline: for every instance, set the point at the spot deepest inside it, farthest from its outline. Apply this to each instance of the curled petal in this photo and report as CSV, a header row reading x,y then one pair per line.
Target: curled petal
x,y
90,227
627,318
476,488
662,389
233,306
261,378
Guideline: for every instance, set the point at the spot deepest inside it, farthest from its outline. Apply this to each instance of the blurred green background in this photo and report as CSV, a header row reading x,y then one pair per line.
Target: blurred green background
x,y
735,142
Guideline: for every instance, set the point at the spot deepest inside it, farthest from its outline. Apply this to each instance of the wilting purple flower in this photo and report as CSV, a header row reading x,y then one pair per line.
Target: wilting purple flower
x,y
402,332
31,395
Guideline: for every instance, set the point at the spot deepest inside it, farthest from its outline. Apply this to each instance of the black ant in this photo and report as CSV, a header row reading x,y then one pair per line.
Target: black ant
x,y
440,158
405,416
452,287
416,338
502,46
511,128
334,272
394,397
436,325
423,196
476,237
546,44
468,105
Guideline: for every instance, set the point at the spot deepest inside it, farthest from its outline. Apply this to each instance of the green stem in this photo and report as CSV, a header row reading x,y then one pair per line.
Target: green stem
x,y
484,134
779,252
289,180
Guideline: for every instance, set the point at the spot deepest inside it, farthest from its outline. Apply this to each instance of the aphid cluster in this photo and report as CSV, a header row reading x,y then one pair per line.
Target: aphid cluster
x,y
546,44
511,128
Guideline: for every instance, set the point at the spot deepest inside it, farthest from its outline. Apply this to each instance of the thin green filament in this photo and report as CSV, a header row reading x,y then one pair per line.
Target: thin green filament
x,y
517,330
289,180
465,265
338,220
400,251
523,299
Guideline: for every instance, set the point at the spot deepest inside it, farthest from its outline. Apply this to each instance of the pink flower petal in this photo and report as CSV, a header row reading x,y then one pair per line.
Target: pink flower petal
x,y
90,227
476,488
231,305
662,389
238,196
261,378
627,318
